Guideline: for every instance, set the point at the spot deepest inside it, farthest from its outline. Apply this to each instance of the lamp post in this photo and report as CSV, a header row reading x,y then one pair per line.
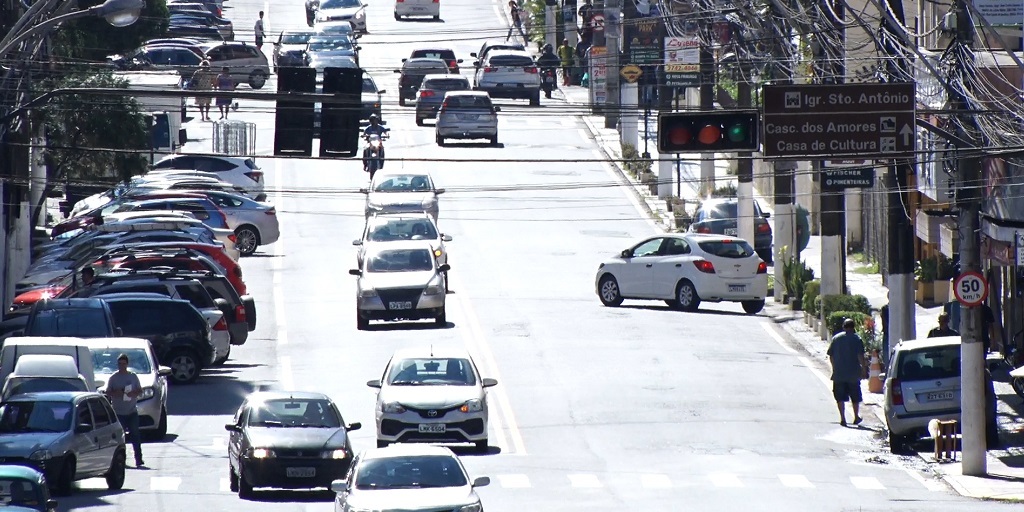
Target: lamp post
x,y
119,13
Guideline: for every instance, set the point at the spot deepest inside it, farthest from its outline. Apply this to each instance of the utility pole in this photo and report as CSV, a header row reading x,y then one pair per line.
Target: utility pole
x,y
745,174
972,358
569,22
833,203
550,17
784,245
707,92
613,30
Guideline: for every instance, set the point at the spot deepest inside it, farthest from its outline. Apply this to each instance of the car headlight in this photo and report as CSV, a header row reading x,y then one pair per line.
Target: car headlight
x,y
472,507
147,393
438,253
366,294
261,453
474,405
335,454
41,455
393,407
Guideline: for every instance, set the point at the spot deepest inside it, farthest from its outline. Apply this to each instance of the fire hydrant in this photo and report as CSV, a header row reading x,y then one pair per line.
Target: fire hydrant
x,y
875,383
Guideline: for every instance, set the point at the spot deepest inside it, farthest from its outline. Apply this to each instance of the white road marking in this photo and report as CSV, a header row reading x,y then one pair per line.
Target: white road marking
x,y
798,481
284,372
725,480
92,484
867,483
584,481
514,481
930,484
219,443
282,337
496,426
164,483
655,481
803,360
225,485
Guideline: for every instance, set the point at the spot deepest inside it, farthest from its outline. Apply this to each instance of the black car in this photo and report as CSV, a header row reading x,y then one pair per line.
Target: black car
x,y
412,73
75,317
290,48
240,311
718,216
445,54
177,330
287,440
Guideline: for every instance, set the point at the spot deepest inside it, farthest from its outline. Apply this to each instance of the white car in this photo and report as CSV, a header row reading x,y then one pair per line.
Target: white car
x,y
236,170
684,269
152,405
509,74
408,477
353,11
431,8
394,227
432,395
400,281
254,223
392,192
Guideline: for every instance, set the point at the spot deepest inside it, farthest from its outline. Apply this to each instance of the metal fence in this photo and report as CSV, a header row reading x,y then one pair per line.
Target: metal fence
x,y
237,138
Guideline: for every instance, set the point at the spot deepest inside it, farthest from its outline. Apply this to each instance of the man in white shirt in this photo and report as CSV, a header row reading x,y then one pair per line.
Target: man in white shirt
x,y
260,34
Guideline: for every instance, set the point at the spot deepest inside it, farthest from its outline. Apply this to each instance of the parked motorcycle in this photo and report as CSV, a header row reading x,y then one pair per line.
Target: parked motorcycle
x,y
373,153
548,81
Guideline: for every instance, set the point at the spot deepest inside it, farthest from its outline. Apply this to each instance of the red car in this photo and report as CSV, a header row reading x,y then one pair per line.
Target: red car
x,y
216,253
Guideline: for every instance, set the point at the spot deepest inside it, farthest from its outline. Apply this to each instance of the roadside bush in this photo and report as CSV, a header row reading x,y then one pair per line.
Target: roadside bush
x,y
865,327
811,291
834,321
832,303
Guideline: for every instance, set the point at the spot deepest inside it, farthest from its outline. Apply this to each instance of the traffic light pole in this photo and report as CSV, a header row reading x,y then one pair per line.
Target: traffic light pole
x,y
784,244
745,177
707,95
833,203
612,33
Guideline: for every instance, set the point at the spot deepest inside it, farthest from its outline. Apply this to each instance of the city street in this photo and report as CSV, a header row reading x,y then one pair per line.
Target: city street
x,y
598,409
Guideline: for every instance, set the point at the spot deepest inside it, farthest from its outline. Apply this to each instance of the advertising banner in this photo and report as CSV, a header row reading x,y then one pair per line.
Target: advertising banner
x,y
682,61
599,74
643,41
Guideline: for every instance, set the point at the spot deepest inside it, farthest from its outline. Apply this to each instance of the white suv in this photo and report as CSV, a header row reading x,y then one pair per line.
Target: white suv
x,y
509,74
245,62
235,170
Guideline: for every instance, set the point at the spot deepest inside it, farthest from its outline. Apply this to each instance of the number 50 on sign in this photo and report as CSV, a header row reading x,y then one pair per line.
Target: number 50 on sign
x,y
970,289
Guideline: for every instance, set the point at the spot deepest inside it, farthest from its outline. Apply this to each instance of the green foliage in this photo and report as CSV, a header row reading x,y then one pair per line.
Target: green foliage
x,y
727,190
926,270
92,39
632,162
865,327
796,275
944,268
811,291
831,303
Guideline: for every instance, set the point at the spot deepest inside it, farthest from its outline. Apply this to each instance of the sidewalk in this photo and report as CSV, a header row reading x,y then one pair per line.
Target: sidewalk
x,y
1005,479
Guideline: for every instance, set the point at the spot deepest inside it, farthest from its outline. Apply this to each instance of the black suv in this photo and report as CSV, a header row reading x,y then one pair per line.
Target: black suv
x,y
78,317
241,310
179,333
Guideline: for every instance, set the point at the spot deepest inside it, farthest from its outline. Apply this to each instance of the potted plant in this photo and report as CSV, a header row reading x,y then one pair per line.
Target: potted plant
x,y
943,277
924,273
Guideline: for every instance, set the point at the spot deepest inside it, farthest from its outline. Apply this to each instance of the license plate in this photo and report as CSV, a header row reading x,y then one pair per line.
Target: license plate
x,y
467,117
432,428
737,287
400,305
945,395
731,231
300,472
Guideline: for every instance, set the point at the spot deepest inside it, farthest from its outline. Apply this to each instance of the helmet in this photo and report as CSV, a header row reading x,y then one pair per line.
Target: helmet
x,y
373,117
547,48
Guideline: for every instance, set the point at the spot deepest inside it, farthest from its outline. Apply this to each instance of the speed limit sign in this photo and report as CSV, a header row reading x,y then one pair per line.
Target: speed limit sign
x,y
970,288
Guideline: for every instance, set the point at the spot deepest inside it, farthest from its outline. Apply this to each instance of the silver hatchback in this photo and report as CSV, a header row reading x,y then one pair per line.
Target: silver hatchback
x,y
467,115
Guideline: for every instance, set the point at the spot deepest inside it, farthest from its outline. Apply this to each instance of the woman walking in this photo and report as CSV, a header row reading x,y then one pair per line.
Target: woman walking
x,y
224,82
516,14
202,80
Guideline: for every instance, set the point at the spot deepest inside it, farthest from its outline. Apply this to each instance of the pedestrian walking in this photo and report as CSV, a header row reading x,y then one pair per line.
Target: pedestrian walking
x,y
565,54
586,30
202,80
516,14
123,389
224,82
943,329
260,34
846,353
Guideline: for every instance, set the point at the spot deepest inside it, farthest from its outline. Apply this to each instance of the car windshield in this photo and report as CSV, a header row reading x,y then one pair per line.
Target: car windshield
x,y
294,412
321,44
467,102
369,86
402,260
518,61
389,230
339,4
434,54
929,363
77,322
17,492
104,360
42,416
727,248
447,84
296,37
410,472
22,385
432,371
404,183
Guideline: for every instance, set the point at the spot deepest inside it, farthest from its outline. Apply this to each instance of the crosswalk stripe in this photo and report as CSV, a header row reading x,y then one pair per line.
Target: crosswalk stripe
x,y
655,481
584,481
866,483
164,483
225,485
725,480
92,484
796,481
514,481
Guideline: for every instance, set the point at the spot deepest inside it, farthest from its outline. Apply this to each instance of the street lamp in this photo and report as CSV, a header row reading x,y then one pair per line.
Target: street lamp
x,y
119,13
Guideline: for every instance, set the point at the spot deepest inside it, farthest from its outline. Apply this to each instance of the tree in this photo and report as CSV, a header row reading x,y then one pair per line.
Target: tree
x,y
92,138
92,39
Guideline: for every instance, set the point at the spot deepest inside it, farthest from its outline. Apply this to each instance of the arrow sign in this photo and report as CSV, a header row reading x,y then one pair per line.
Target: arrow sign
x,y
907,132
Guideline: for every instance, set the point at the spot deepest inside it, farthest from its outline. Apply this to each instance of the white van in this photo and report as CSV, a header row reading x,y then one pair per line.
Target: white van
x,y
77,348
44,372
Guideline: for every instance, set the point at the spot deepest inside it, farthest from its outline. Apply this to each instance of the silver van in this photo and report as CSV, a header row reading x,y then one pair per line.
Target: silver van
x,y
76,348
44,372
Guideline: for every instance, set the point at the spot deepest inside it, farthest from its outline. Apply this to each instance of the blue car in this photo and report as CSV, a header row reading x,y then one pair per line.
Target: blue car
x,y
23,488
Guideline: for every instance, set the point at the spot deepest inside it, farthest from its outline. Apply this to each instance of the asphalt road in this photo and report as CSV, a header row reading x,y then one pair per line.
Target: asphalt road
x,y
635,408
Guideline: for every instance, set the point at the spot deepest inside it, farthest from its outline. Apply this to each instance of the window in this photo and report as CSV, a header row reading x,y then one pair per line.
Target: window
x,y
196,294
83,416
369,86
402,229
447,84
183,317
138,318
728,248
78,322
104,360
404,183
674,246
407,260
245,52
432,371
930,363
99,413
38,416
519,61
295,412
468,103
648,248
410,472
295,38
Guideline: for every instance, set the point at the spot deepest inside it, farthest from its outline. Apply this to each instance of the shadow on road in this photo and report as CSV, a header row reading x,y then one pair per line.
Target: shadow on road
x,y
284,496
211,395
471,451
473,145
408,326
87,498
677,311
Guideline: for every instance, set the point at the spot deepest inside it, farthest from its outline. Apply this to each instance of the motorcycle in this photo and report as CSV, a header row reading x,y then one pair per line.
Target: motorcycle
x,y
373,159
548,80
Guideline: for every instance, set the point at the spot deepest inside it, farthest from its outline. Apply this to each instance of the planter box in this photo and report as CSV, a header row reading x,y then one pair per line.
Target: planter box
x,y
941,291
925,292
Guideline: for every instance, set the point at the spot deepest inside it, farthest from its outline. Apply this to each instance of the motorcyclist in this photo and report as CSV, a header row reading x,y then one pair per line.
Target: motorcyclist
x,y
548,59
375,128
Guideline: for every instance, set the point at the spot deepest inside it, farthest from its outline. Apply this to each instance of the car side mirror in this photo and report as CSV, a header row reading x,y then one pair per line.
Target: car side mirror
x,y
444,268
355,272
353,426
382,92
398,71
82,428
881,376
439,191
364,191
482,481
626,254
497,109
487,383
164,371
476,64
459,61
357,242
231,427
403,60
373,383
767,215
472,54
339,486
446,238
359,48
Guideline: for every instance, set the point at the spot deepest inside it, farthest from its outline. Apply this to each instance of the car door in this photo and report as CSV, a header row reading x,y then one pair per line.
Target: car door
x,y
636,274
670,267
105,425
235,437
86,443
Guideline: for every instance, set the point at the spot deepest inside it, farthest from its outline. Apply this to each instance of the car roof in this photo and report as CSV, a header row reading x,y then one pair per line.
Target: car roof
x,y
941,341
51,396
431,351
117,342
482,94
16,471
425,62
117,298
262,396
237,159
401,215
391,174
405,450
70,303
503,51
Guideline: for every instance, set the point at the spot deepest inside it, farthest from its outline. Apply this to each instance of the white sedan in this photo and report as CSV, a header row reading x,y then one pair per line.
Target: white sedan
x,y
402,192
684,269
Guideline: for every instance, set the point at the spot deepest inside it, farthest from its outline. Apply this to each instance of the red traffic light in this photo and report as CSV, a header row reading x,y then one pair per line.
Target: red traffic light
x,y
680,135
710,134
708,131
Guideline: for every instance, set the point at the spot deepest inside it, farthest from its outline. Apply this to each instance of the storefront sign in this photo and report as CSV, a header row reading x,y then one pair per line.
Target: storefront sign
x,y
682,61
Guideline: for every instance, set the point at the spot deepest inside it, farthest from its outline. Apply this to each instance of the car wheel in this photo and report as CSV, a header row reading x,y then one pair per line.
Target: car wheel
x,y
686,296
481,446
397,17
401,100
437,18
66,479
442,319
419,121
440,140
115,475
161,426
221,360
362,323
245,491
257,79
247,239
382,444
753,307
184,367
494,140
608,291
535,99
897,443
1017,383
232,479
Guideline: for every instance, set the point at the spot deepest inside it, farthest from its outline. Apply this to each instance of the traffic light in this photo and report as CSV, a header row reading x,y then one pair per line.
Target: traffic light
x,y
708,131
339,122
293,121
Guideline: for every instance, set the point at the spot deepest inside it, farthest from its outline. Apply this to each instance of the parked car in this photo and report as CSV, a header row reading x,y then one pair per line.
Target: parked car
x,y
178,59
467,115
239,171
23,488
57,433
432,91
684,269
718,216
245,62
400,281
411,76
185,29
204,17
76,317
407,8
152,404
508,74
254,223
445,54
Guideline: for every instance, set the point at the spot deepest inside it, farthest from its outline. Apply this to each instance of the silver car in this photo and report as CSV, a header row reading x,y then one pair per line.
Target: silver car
x,y
400,281
254,223
432,91
509,74
394,192
467,115
432,395
152,404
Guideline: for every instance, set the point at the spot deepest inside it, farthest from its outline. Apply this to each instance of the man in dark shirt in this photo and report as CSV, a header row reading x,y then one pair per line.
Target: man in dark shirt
x,y
846,353
943,329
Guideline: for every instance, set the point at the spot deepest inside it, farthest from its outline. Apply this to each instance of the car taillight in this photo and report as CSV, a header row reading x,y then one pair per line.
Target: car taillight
x,y
704,266
256,176
219,12
271,211
703,229
221,325
764,228
532,71
232,238
490,70
424,93
897,392
453,64
240,313
762,268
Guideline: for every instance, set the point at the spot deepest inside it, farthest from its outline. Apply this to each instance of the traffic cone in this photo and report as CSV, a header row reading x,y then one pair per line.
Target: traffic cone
x,y
875,382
